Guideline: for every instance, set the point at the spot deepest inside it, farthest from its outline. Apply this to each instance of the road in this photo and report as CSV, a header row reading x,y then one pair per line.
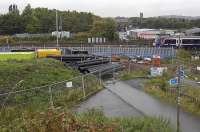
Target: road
x,y
110,104
140,103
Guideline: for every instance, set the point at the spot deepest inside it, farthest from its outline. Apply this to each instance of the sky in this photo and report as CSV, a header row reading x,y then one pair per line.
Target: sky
x,y
113,8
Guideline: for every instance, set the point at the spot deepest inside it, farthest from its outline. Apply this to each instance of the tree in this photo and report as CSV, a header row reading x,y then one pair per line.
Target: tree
x,y
27,18
105,28
13,9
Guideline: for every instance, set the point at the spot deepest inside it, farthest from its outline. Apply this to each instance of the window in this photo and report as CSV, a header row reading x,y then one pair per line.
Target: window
x,y
191,41
170,41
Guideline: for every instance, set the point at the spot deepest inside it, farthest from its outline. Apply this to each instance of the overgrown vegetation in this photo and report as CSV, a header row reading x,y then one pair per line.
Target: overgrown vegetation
x,y
159,87
17,56
57,120
32,110
36,72
124,75
42,75
191,105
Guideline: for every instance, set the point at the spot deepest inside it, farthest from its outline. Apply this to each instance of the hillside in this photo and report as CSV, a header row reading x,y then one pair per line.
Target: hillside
x,y
33,73
43,110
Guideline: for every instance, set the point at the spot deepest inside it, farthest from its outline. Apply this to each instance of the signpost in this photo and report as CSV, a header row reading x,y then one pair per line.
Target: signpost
x,y
177,82
173,82
178,94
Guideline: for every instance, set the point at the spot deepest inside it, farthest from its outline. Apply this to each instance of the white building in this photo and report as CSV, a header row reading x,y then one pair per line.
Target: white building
x,y
123,36
61,34
148,34
97,40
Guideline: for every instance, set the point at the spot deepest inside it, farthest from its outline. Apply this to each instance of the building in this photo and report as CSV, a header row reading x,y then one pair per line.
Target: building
x,y
121,19
123,36
139,33
148,34
193,32
28,35
62,34
141,15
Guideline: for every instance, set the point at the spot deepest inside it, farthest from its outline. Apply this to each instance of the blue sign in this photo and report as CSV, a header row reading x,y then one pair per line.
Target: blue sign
x,y
173,82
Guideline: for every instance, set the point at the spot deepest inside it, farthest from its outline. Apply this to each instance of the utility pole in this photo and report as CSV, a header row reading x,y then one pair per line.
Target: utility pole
x,y
83,86
178,95
179,41
57,28
172,54
61,27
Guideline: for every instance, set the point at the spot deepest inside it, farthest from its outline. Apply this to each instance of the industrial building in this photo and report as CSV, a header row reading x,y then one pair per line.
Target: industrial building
x,y
148,34
61,34
193,32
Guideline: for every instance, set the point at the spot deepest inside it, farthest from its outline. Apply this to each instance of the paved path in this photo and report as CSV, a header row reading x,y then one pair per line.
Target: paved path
x,y
110,104
151,106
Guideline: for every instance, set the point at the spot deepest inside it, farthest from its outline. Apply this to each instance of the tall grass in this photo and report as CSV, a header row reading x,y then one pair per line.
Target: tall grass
x,y
17,56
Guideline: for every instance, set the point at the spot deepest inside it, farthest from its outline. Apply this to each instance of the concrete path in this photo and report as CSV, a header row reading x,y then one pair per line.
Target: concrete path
x,y
151,106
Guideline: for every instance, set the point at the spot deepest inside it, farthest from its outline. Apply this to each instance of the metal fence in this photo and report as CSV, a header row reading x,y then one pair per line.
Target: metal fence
x,y
129,51
108,51
58,94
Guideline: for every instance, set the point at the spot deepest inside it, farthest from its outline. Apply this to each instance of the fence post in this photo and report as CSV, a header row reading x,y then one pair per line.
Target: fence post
x,y
113,72
129,67
100,78
83,86
51,97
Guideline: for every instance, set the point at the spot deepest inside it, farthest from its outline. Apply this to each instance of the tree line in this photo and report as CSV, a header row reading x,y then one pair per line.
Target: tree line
x,y
43,20
164,23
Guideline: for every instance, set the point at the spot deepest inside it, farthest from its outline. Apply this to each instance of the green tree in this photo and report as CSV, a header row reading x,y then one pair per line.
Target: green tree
x,y
105,28
27,18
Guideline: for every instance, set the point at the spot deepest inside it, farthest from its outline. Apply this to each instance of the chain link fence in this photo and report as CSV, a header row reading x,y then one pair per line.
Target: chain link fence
x,y
58,94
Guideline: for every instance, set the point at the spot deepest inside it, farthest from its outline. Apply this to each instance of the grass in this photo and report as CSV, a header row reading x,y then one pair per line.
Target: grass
x,y
187,104
158,86
34,73
91,121
30,112
17,56
135,74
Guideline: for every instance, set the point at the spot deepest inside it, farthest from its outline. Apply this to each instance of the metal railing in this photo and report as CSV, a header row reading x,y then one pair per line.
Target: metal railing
x,y
109,51
58,94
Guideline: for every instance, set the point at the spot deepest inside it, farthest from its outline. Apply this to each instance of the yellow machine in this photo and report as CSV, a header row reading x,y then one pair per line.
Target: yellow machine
x,y
41,53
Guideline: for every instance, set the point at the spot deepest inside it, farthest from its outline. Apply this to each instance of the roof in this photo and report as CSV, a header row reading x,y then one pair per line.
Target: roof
x,y
142,30
191,31
52,50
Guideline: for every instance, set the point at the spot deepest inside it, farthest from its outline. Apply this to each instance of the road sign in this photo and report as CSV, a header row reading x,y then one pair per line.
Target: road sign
x,y
69,85
173,82
181,72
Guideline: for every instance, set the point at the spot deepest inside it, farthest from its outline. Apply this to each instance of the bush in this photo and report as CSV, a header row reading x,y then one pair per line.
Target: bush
x,y
57,120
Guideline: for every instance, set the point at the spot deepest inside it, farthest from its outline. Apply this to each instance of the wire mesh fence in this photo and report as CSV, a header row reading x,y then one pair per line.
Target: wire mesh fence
x,y
108,51
58,94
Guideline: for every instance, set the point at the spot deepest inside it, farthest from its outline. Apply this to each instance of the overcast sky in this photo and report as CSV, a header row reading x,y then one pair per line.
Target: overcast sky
x,y
114,8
